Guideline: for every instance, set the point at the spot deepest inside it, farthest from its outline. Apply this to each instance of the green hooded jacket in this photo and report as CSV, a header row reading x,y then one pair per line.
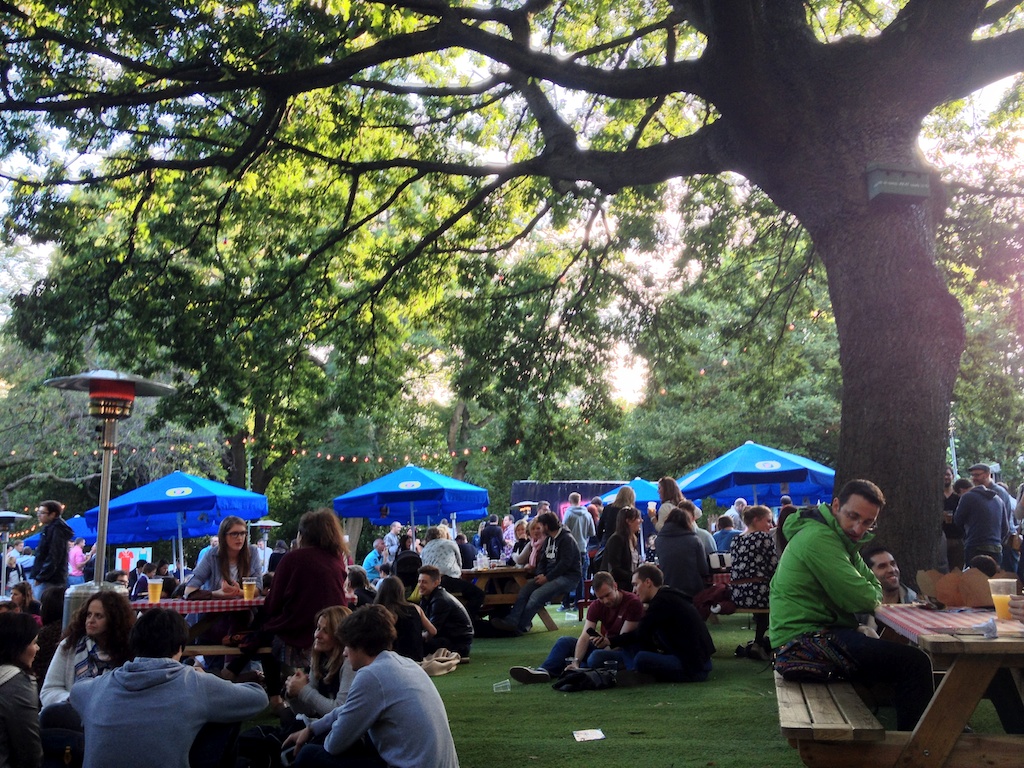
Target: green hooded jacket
x,y
821,581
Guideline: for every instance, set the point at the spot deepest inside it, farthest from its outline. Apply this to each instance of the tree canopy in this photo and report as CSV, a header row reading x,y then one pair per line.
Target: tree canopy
x,y
360,159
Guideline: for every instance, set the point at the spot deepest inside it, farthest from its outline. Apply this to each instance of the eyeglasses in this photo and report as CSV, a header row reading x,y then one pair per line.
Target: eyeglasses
x,y
868,525
236,533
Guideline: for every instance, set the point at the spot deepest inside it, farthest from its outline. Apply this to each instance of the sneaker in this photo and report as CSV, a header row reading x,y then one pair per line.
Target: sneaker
x,y
529,675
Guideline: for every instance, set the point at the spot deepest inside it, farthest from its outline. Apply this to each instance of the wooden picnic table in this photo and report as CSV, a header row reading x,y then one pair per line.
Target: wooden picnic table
x,y
507,581
970,661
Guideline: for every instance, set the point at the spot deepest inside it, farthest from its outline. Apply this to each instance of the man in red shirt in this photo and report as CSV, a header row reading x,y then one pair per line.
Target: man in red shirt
x,y
615,611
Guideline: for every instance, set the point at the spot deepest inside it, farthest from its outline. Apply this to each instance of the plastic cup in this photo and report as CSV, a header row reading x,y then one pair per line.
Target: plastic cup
x,y
1001,590
156,588
652,506
505,686
249,588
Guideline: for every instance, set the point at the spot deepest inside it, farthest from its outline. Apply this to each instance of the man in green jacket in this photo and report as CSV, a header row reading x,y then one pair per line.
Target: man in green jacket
x,y
822,582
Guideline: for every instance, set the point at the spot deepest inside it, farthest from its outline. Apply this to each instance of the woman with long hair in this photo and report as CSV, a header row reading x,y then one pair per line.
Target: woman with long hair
x,y
671,497
21,596
522,539
233,559
622,552
410,620
95,641
330,675
20,745
307,580
606,526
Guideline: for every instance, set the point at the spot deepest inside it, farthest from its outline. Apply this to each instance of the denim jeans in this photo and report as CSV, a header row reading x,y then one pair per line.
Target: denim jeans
x,y
532,598
668,668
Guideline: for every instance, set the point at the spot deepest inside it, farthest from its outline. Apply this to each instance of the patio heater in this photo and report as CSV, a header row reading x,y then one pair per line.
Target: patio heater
x,y
111,396
7,522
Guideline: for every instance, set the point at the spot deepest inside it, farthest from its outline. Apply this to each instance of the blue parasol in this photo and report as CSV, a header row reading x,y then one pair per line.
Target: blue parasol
x,y
761,475
410,493
645,491
179,506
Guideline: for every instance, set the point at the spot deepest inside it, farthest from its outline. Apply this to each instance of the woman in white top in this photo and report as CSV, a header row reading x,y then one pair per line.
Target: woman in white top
x,y
94,642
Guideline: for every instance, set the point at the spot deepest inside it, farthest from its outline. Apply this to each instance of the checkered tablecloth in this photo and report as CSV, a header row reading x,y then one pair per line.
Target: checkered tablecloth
x,y
912,621
200,606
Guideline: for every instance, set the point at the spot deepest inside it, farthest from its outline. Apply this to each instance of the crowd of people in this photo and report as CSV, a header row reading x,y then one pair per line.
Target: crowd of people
x,y
340,651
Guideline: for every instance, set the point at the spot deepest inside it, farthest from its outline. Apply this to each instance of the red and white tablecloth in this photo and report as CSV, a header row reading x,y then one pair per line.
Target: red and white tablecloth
x,y
200,606
912,621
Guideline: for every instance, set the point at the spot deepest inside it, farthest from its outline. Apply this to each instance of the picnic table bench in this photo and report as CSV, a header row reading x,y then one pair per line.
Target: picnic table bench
x,y
826,722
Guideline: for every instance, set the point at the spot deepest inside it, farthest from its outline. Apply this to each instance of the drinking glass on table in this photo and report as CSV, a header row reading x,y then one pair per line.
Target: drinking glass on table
x,y
155,585
1002,590
249,588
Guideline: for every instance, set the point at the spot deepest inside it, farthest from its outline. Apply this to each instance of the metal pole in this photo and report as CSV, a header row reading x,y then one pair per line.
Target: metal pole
x,y
109,443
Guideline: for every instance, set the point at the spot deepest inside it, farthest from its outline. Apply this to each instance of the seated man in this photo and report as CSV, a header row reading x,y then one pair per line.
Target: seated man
x,y
673,642
725,534
883,565
446,613
149,711
374,559
391,700
616,612
444,555
821,584
558,571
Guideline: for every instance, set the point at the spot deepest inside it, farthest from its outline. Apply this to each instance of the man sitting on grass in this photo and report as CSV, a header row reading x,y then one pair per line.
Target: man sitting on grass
x,y
673,640
616,612
391,701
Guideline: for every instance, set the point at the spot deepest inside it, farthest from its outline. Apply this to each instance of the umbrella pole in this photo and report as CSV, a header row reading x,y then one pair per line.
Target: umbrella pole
x,y
181,553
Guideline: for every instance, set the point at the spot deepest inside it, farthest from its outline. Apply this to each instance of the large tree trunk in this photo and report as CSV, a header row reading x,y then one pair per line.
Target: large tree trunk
x,y
901,335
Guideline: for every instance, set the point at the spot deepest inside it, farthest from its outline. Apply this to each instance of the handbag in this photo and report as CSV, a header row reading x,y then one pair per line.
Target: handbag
x,y
816,657
62,747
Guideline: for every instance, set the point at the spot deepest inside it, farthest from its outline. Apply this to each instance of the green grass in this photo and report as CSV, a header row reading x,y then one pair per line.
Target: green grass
x,y
730,721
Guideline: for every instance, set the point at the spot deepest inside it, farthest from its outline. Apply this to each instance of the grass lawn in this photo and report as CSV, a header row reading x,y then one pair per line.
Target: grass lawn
x,y
730,721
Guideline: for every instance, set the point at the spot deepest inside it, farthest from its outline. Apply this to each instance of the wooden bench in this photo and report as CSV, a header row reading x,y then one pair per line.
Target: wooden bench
x,y
826,722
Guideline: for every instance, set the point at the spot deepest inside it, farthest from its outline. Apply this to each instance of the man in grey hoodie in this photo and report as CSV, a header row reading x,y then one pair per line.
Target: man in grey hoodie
x,y
150,711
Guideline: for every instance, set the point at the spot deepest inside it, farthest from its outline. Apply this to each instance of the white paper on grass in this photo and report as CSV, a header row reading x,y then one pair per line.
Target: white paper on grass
x,y
590,734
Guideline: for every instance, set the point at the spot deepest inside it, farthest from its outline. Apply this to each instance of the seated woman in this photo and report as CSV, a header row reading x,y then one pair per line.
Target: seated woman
x,y
95,641
358,591
21,595
330,675
527,556
307,580
681,555
754,559
20,743
522,540
220,573
411,622
52,616
622,552
140,591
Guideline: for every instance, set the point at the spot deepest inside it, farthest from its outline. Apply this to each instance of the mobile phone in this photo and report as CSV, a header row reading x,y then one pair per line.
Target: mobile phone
x,y
592,632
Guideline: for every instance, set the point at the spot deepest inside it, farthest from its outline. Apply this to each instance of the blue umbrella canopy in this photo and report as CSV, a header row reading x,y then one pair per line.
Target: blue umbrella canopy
x,y
156,509
645,491
412,493
760,475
